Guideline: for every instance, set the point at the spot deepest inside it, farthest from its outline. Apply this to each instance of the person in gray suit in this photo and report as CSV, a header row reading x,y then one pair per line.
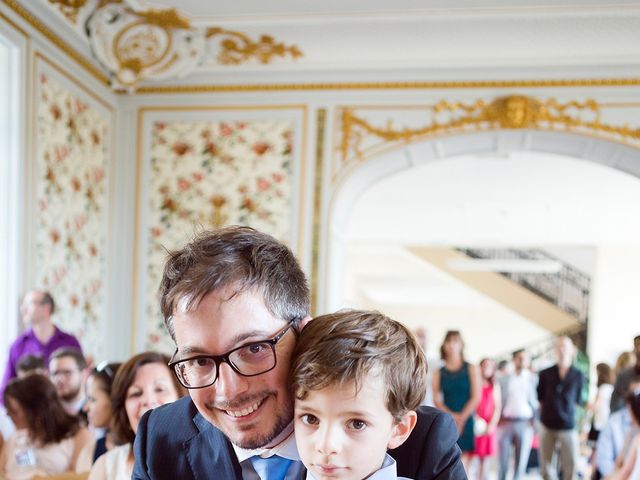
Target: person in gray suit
x,y
234,300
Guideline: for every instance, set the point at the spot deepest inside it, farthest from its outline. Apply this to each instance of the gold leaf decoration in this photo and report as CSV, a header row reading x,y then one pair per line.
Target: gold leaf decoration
x,y
237,48
69,8
509,112
166,19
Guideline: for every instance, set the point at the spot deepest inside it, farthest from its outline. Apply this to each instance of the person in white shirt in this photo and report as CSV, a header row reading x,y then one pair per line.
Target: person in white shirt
x,y
357,378
519,405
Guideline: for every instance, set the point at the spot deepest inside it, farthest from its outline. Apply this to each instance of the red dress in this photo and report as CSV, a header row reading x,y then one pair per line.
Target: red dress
x,y
486,445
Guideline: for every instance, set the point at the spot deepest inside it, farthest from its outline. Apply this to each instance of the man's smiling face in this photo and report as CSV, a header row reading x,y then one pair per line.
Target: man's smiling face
x,y
250,411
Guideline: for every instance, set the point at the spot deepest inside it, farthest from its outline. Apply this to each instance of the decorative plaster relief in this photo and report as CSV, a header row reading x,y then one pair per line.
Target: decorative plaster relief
x,y
207,174
161,44
362,136
71,216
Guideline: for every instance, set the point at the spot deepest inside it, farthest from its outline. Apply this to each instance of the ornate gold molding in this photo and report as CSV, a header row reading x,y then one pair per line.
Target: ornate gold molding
x,y
282,87
69,8
57,41
236,47
510,112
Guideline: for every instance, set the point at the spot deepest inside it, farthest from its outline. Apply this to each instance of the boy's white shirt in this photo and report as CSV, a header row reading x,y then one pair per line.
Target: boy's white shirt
x,y
386,472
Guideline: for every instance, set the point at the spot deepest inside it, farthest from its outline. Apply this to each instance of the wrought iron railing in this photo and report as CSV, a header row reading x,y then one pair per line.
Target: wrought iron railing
x,y
568,289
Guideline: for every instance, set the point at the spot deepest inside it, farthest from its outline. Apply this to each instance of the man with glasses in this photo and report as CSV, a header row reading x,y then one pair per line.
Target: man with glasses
x,y
68,372
234,301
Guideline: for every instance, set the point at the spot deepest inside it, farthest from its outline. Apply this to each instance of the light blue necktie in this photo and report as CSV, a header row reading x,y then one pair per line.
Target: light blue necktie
x,y
272,468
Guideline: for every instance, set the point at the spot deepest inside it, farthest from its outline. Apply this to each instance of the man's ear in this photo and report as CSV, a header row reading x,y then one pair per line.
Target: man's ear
x,y
402,429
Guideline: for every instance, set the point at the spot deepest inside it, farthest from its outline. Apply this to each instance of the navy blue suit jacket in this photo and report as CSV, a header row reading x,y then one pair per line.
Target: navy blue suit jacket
x,y
175,442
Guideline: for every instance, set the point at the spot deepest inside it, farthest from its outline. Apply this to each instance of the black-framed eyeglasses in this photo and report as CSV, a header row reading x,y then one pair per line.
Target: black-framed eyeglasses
x,y
248,360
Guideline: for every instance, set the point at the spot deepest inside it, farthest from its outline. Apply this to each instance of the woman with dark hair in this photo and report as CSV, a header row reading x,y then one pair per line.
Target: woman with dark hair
x,y
141,383
47,439
99,413
456,390
629,466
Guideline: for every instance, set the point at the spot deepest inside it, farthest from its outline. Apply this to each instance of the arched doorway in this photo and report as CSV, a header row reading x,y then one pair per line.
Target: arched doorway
x,y
489,161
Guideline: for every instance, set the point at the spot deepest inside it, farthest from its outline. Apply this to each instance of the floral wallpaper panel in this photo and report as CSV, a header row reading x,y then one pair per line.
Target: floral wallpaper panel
x,y
71,216
207,174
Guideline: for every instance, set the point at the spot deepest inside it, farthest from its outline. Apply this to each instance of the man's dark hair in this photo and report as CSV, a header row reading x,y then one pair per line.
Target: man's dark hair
x,y
517,352
72,352
47,299
240,258
30,364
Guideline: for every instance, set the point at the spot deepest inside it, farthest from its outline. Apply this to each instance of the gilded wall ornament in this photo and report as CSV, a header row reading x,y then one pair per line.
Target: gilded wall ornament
x,y
69,8
236,47
162,44
509,112
156,44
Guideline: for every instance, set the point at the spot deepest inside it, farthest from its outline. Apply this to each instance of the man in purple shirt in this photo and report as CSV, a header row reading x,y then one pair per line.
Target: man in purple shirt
x,y
42,338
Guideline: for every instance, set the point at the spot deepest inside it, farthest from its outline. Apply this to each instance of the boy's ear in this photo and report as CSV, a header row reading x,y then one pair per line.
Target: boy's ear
x,y
303,322
402,429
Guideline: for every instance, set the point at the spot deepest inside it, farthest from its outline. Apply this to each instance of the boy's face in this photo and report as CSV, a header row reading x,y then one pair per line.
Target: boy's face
x,y
344,435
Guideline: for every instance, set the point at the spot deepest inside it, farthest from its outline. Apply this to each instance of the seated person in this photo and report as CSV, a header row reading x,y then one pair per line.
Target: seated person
x,y
99,413
629,463
357,378
29,364
615,438
143,382
47,439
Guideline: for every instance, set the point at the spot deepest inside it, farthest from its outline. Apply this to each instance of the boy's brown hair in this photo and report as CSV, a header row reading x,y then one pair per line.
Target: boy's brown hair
x,y
348,345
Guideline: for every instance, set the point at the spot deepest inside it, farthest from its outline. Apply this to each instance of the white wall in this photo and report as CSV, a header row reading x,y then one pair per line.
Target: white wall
x,y
615,303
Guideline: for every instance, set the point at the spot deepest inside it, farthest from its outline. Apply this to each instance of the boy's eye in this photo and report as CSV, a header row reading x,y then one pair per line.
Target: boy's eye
x,y
309,419
356,424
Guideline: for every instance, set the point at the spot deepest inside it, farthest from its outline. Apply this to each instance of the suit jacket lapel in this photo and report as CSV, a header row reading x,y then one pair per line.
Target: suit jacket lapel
x,y
210,454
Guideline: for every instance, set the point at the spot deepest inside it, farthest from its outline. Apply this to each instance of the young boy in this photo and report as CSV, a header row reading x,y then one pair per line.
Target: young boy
x,y
357,378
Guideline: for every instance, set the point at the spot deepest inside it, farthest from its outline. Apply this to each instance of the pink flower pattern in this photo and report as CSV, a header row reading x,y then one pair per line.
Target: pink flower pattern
x,y
71,217
206,174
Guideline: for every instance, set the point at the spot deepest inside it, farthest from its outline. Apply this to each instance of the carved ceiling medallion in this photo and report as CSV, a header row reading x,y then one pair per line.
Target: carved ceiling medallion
x,y
161,44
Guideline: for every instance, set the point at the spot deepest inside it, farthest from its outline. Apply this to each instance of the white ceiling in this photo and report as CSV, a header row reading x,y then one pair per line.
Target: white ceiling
x,y
261,11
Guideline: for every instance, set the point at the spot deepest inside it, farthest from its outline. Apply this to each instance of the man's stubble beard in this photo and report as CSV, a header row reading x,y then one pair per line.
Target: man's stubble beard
x,y
283,419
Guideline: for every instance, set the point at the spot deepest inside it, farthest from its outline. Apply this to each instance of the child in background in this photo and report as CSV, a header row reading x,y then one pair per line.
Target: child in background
x,y
357,378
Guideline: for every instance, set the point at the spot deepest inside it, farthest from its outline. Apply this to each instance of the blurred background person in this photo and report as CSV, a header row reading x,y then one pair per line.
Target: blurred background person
x,y
623,378
600,408
487,417
99,413
456,390
519,406
47,440
559,392
141,383
42,337
68,372
615,437
629,463
433,363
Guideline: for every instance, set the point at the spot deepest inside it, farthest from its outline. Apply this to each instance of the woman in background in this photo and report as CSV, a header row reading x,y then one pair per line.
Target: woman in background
x,y
141,383
487,415
47,440
99,413
456,390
